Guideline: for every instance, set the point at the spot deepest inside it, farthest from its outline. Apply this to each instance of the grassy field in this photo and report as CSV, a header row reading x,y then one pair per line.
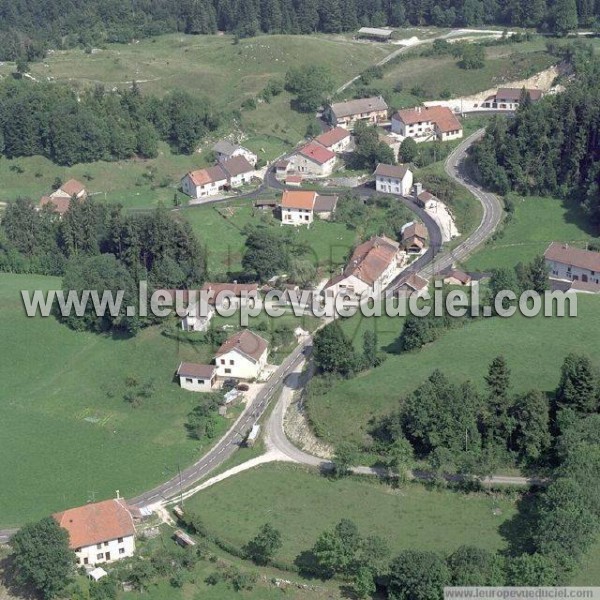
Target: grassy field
x,y
68,434
536,223
286,496
439,76
345,410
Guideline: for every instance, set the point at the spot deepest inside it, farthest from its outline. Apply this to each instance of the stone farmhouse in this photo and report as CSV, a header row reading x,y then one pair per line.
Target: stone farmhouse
x,y
567,263
372,267
226,150
510,98
313,160
242,356
393,179
99,533
197,378
427,123
299,207
346,114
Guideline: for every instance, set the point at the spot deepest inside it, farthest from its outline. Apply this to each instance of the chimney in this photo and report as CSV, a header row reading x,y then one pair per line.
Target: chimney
x,y
418,187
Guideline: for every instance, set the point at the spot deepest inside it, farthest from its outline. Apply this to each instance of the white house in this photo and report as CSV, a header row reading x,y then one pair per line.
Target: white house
x,y
510,98
427,123
573,264
239,171
196,377
226,150
347,114
393,179
372,266
314,160
205,182
297,207
337,139
99,533
242,356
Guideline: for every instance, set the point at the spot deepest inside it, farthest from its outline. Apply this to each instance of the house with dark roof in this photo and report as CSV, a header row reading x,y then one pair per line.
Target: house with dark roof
x,y
372,267
101,532
205,182
242,356
414,237
225,150
413,285
239,171
313,160
196,377
510,98
230,295
346,114
393,179
427,123
568,263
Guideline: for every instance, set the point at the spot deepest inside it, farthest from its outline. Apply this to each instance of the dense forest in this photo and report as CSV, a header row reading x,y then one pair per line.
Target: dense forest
x,y
30,27
550,147
69,127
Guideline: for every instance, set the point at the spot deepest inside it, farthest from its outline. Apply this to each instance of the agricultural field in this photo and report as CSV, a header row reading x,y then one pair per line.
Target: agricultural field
x,y
409,517
344,412
536,222
68,433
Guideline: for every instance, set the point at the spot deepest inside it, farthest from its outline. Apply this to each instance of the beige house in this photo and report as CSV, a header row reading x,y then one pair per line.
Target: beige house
x,y
197,378
337,139
313,160
347,114
568,263
372,266
99,533
393,179
242,356
226,150
297,207
427,123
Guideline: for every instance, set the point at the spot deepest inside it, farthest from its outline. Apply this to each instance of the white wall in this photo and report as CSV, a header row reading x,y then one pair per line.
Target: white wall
x,y
393,185
236,365
194,384
562,271
116,550
296,216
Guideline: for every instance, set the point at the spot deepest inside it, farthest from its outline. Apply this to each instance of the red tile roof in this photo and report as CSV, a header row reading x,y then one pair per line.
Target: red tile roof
x,y
316,153
415,230
442,116
94,523
247,343
72,188
209,175
569,255
187,369
332,137
298,199
60,204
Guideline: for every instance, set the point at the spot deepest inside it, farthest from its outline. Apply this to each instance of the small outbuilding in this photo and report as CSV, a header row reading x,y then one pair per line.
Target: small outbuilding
x,y
197,378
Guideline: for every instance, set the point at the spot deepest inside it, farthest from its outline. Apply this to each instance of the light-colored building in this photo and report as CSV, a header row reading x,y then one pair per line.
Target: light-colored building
x,y
313,160
427,123
510,98
193,321
423,198
337,139
347,114
230,294
297,207
197,378
226,150
393,179
281,168
239,171
372,266
242,356
99,533
414,237
375,33
568,263
205,182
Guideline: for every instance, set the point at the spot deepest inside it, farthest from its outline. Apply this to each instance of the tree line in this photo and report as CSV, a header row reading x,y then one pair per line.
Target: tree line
x,y
70,127
33,26
551,146
96,246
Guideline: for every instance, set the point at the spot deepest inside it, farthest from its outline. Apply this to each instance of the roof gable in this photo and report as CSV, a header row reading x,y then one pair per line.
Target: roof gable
x,y
299,199
317,153
245,342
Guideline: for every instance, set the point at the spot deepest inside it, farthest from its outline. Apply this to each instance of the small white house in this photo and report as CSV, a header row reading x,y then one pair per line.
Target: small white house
x,y
297,207
99,533
393,179
197,378
313,160
226,150
205,182
568,263
242,356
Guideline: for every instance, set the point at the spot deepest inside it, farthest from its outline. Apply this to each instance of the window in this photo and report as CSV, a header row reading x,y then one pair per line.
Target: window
x,y
99,556
222,361
120,540
200,382
121,550
230,362
227,370
105,543
189,380
85,561
99,546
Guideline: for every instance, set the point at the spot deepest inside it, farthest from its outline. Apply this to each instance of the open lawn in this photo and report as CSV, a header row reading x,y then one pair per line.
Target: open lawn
x,y
68,435
536,223
345,410
302,504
